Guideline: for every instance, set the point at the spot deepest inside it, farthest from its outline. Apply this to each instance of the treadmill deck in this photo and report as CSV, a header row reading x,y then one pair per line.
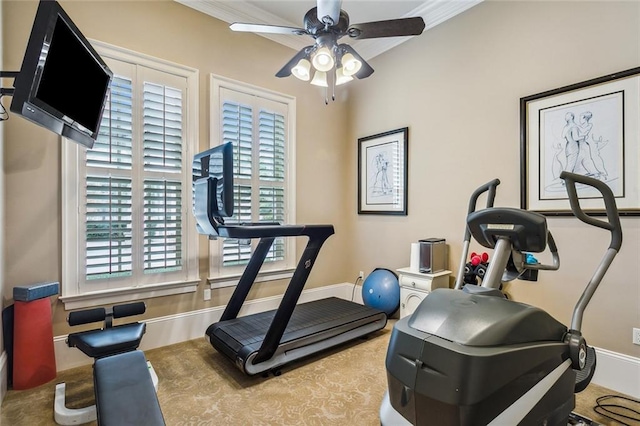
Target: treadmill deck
x,y
313,326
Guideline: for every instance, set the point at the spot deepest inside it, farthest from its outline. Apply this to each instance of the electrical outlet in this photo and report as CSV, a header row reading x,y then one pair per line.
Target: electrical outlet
x,y
361,275
207,294
636,336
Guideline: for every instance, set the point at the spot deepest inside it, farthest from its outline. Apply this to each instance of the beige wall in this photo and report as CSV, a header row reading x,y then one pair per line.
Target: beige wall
x,y
171,31
2,202
458,87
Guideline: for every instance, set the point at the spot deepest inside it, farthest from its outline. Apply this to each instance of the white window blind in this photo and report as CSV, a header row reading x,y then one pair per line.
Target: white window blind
x,y
133,229
258,124
162,190
109,203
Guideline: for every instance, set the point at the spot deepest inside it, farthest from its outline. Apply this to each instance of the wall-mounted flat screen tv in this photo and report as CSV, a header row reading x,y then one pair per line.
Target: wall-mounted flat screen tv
x,y
63,83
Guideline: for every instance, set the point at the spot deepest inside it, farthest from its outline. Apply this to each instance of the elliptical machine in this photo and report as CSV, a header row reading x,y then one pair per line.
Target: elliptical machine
x,y
477,359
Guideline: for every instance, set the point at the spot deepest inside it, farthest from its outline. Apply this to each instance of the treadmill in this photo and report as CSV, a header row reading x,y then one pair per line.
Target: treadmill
x,y
265,341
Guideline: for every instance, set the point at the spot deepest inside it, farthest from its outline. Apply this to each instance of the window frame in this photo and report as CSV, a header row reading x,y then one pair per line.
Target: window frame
x,y
268,272
72,296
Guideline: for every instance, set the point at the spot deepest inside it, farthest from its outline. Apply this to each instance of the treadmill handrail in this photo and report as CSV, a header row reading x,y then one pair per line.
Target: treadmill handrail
x,y
257,230
317,235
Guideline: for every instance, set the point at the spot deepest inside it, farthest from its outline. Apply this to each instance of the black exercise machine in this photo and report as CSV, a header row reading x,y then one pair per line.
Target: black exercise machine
x,y
265,341
475,359
124,382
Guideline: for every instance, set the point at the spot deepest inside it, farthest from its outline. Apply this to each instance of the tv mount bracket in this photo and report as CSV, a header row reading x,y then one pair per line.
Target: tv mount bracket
x,y
7,74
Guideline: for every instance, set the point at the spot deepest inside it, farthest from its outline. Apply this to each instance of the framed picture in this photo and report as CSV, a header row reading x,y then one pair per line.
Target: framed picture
x,y
382,173
590,128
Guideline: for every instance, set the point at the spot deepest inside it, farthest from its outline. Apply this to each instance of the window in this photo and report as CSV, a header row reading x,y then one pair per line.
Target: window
x,y
128,231
260,125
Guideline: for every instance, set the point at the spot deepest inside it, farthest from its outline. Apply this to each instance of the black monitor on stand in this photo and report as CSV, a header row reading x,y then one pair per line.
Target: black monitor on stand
x,y
212,172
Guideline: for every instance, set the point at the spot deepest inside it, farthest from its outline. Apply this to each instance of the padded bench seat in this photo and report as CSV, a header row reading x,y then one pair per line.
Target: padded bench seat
x,y
124,390
108,341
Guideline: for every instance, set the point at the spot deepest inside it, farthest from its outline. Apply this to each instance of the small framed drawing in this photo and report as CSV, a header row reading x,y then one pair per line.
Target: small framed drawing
x,y
590,128
382,173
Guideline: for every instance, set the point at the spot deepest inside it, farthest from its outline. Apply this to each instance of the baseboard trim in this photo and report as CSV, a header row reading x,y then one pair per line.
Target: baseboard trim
x,y
4,366
172,329
617,372
613,369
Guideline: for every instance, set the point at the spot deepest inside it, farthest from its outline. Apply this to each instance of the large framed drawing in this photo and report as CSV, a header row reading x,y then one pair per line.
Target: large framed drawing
x,y
382,173
590,128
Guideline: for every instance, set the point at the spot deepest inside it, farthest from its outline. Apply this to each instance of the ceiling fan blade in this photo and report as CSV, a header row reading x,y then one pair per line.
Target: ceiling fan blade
x,y
329,8
365,70
286,70
263,28
390,28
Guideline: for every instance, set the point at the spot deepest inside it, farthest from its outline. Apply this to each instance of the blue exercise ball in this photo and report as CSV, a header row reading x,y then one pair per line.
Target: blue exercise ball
x,y
381,290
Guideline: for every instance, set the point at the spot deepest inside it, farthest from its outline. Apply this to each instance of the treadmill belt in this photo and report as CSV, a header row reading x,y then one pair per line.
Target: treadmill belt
x,y
307,318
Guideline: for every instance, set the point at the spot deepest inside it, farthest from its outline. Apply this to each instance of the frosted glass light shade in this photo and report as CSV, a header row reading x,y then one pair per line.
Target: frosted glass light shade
x,y
320,79
323,59
302,70
350,64
341,78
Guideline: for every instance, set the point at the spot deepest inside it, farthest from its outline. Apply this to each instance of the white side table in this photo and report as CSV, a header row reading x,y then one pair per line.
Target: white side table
x,y
415,286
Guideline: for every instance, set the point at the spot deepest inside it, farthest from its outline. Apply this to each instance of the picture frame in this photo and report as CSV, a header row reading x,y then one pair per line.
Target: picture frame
x,y
382,173
590,128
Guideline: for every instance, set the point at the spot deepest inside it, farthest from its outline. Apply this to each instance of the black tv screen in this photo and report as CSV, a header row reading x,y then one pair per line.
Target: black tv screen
x,y
63,83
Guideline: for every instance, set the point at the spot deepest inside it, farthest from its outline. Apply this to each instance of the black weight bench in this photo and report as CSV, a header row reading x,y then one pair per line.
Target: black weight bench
x,y
125,394
124,382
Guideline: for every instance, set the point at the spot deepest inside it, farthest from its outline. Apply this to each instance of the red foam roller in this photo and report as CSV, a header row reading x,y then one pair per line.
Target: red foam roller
x,y
34,361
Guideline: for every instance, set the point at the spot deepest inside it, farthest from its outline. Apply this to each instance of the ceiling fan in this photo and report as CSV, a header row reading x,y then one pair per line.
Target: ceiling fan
x,y
326,24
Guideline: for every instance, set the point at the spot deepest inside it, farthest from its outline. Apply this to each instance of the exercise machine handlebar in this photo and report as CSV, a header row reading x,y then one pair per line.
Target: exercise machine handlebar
x,y
489,186
555,258
612,224
473,201
613,220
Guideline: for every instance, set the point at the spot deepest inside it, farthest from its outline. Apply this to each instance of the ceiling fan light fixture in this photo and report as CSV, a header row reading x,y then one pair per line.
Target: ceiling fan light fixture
x,y
302,70
350,65
323,59
329,63
341,77
320,79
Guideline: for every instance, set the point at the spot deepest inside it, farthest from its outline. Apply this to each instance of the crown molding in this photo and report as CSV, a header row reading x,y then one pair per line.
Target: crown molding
x,y
433,12
242,11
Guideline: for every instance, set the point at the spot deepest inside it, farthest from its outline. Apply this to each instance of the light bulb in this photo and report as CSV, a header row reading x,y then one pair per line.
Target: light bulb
x,y
323,59
320,79
341,78
350,64
302,70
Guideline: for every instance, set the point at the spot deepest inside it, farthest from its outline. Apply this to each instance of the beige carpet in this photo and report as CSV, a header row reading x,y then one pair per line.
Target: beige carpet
x,y
198,386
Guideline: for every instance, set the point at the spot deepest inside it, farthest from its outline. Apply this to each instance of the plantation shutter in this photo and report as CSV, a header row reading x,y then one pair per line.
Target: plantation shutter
x,y
127,232
259,174
162,157
116,183
272,165
108,226
237,127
